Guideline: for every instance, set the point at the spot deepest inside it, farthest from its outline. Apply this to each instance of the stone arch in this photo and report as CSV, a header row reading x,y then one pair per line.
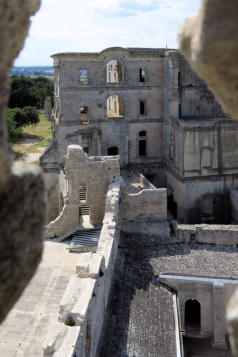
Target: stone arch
x,y
192,315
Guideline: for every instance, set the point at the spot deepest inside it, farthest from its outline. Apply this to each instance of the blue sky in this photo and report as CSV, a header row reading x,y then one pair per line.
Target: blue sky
x,y
92,25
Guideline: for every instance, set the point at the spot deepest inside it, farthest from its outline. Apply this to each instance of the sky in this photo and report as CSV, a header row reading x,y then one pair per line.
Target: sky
x,y
93,25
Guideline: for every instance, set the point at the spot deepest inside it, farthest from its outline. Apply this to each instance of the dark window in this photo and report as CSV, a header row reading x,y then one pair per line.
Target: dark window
x,y
142,107
142,74
112,151
85,149
179,79
142,133
180,111
192,315
142,147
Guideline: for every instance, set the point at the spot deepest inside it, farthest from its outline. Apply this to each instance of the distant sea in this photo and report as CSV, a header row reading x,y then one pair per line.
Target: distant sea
x,y
32,71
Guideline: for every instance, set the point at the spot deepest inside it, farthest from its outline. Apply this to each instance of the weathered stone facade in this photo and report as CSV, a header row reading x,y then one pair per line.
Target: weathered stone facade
x,y
147,106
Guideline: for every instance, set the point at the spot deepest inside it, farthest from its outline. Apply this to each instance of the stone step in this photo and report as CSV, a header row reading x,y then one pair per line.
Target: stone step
x,y
84,240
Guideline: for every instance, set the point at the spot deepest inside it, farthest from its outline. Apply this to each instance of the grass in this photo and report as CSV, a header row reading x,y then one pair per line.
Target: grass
x,y
39,134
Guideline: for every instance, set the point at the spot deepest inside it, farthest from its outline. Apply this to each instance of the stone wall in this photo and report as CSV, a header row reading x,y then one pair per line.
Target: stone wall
x,y
86,297
148,203
207,233
95,173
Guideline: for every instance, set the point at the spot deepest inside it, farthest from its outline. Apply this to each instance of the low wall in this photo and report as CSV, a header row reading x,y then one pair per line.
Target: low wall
x,y
86,297
68,218
207,233
145,204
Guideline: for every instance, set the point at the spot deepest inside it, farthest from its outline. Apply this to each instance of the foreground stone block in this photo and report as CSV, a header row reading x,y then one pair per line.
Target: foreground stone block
x,y
22,209
208,42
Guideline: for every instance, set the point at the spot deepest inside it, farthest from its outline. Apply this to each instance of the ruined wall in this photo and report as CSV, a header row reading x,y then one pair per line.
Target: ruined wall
x,y
145,212
95,173
113,132
86,297
147,203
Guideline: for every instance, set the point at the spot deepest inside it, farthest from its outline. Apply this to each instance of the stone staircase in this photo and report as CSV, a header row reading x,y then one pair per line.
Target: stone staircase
x,y
85,241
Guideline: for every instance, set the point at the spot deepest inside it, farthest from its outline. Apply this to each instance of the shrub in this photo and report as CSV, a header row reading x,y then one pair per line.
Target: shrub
x,y
70,321
14,131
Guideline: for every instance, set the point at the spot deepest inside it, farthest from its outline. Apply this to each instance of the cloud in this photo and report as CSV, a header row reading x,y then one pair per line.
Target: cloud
x,y
123,8
79,26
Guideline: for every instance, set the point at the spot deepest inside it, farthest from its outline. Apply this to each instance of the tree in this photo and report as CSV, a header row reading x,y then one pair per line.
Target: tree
x,y
14,131
27,91
17,118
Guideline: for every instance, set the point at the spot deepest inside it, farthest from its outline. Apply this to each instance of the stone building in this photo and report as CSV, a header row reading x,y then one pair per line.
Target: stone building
x,y
147,106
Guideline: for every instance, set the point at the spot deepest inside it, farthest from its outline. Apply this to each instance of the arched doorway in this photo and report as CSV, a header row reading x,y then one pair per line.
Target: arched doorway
x,y
192,315
112,151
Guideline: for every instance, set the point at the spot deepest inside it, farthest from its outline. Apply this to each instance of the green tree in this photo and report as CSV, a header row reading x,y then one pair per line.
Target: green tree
x,y
14,131
17,118
27,91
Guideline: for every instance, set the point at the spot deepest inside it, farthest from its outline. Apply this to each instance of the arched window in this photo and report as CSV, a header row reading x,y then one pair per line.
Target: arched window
x,y
192,316
142,133
114,72
112,151
114,106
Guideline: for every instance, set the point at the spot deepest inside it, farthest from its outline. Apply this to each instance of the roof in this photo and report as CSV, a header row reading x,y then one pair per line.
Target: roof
x,y
129,50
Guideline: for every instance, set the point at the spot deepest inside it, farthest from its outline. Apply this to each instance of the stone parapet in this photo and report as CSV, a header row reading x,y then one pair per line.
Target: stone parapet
x,y
85,300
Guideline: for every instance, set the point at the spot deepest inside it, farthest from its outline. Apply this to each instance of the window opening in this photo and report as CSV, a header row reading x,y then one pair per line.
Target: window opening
x,y
83,76
114,106
142,147
142,107
180,111
142,74
192,315
142,133
84,114
179,79
114,72
112,151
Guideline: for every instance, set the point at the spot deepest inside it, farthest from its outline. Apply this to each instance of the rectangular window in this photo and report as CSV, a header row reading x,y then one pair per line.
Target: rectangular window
x,y
142,147
142,107
83,76
142,74
84,115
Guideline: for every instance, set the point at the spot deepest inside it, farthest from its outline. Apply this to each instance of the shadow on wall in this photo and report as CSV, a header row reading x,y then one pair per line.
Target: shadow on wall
x,y
211,209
